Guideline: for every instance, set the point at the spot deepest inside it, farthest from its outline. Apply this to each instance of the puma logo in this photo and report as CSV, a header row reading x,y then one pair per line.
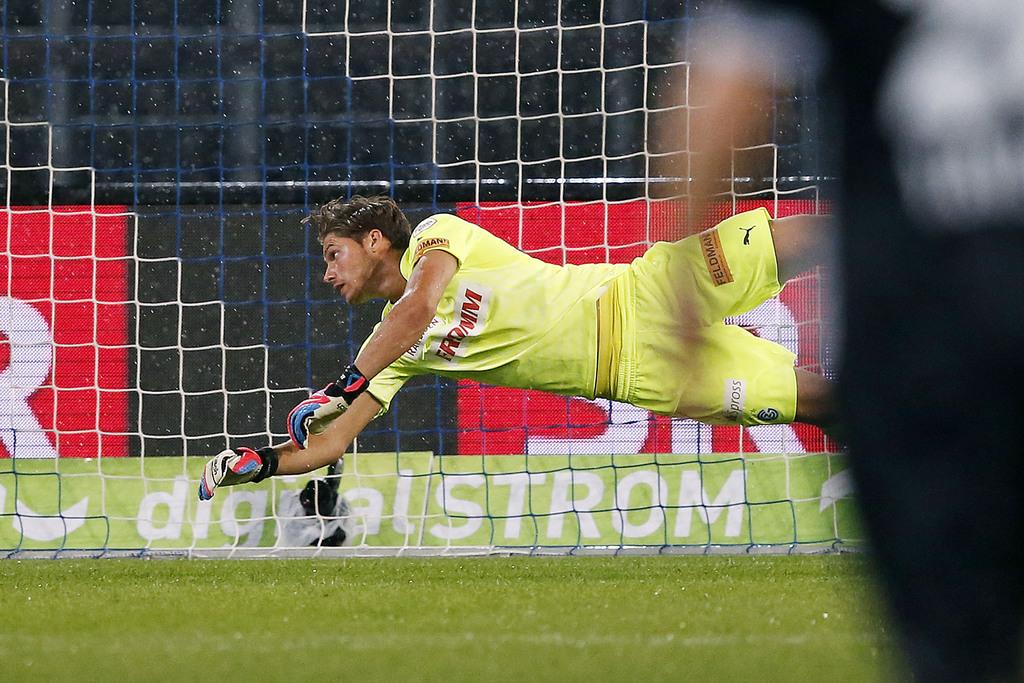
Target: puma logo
x,y
746,234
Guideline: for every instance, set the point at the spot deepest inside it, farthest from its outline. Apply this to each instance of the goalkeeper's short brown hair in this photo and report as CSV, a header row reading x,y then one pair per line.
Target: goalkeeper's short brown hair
x,y
355,217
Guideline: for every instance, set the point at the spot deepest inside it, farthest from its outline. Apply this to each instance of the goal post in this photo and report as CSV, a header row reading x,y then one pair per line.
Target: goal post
x,y
162,301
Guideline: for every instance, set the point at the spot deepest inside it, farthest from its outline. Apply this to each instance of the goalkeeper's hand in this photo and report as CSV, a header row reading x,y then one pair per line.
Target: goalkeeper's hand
x,y
236,466
314,414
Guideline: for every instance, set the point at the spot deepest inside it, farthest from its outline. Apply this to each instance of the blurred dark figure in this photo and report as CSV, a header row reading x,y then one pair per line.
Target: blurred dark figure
x,y
930,118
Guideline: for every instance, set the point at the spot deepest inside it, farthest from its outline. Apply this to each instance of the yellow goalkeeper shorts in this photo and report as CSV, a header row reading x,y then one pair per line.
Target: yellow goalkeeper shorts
x,y
662,343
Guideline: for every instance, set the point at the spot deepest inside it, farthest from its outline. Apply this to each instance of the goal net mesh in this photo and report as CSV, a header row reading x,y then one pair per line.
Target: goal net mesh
x,y
162,302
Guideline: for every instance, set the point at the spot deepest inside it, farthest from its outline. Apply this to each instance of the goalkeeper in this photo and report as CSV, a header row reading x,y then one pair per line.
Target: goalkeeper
x,y
462,303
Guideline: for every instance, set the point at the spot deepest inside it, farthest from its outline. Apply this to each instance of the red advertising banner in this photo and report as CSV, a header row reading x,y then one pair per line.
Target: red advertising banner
x,y
497,420
64,382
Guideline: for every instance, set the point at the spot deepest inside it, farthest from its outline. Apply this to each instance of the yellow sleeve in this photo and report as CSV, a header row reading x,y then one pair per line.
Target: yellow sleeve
x,y
385,385
388,381
442,231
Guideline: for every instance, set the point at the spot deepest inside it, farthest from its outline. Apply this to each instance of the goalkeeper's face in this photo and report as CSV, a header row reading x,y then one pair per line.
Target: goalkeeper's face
x,y
353,268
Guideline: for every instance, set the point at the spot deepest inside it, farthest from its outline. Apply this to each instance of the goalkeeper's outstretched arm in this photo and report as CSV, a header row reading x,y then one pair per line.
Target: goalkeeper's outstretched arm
x,y
242,465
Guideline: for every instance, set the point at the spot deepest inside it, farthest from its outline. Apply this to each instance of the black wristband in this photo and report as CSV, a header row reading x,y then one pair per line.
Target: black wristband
x,y
351,383
269,458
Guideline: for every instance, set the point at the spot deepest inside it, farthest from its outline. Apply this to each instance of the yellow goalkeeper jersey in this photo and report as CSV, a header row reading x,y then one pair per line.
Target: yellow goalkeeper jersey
x,y
505,318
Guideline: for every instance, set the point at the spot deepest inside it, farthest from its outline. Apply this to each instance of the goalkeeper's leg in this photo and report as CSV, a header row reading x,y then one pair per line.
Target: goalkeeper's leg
x,y
802,243
816,403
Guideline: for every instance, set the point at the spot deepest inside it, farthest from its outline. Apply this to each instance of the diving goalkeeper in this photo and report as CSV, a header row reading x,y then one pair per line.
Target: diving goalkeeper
x,y
462,303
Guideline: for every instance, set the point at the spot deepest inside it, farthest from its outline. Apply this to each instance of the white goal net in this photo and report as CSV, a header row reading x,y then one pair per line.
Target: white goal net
x,y
162,301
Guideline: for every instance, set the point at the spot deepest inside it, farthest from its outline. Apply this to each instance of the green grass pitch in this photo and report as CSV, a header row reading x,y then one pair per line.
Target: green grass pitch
x,y
682,618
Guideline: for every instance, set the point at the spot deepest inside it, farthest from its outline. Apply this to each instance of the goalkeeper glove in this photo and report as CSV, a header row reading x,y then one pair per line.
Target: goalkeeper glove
x,y
314,414
237,466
